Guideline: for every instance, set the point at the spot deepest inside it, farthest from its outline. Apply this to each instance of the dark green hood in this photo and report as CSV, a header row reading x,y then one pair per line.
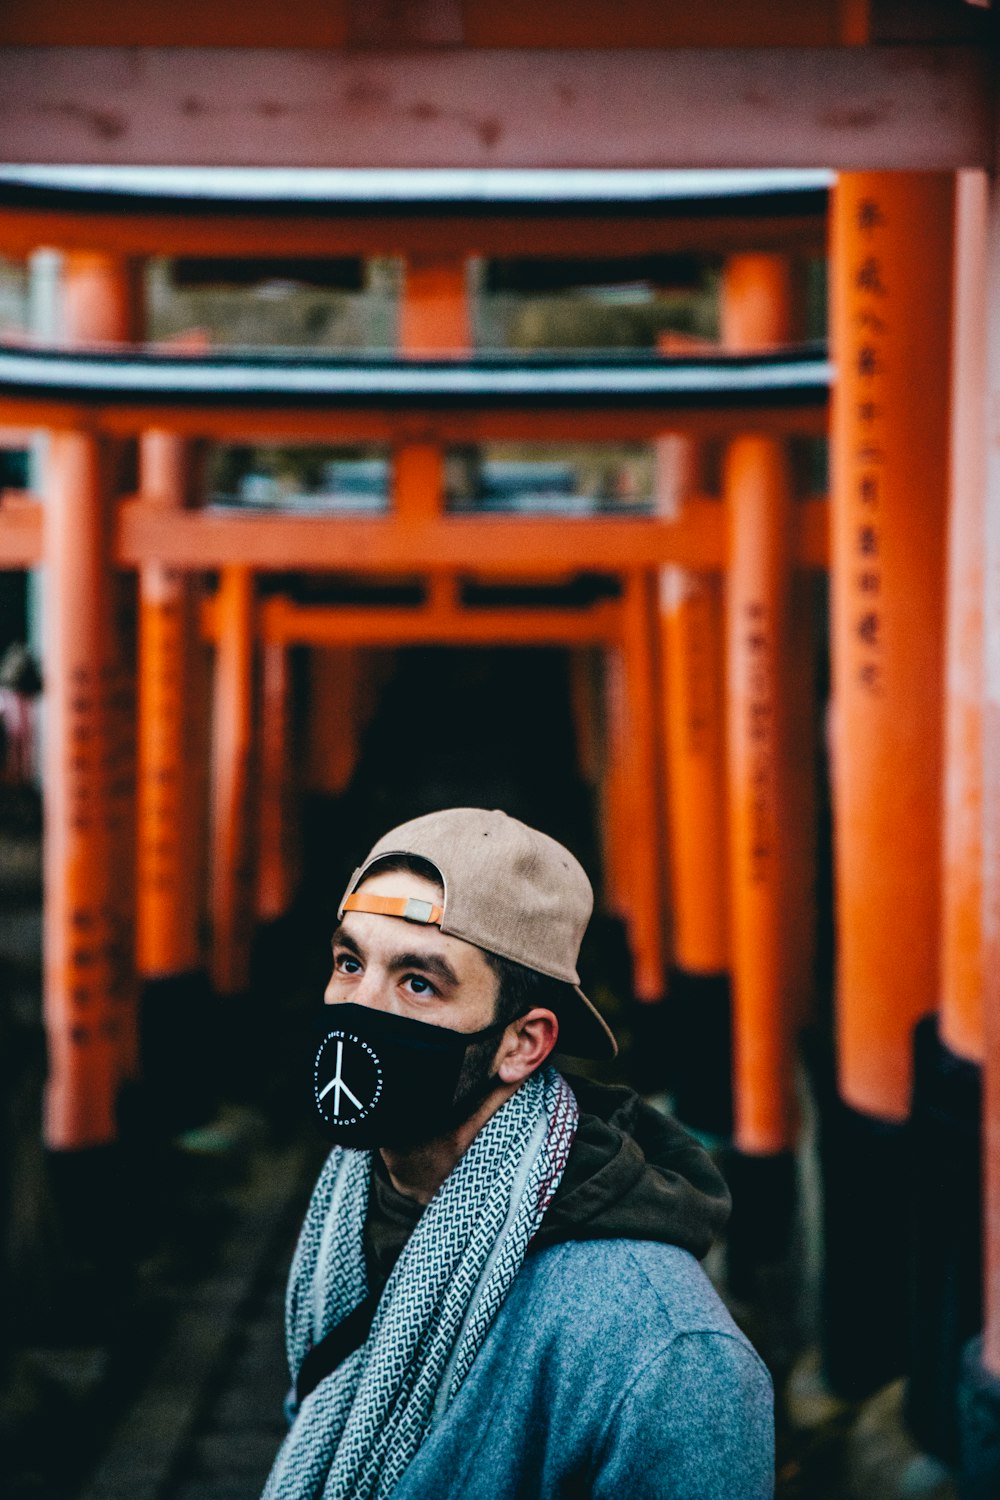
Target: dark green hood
x,y
633,1173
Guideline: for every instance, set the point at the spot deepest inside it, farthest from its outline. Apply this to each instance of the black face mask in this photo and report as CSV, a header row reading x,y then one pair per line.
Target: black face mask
x,y
385,1080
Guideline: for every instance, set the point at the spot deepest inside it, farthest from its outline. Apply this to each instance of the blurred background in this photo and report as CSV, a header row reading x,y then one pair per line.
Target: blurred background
x,y
406,405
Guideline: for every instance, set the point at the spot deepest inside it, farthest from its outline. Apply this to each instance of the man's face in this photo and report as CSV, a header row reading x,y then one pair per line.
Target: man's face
x,y
411,970
408,969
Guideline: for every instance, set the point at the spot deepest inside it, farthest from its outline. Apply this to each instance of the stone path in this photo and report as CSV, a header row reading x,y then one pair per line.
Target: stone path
x,y
208,1422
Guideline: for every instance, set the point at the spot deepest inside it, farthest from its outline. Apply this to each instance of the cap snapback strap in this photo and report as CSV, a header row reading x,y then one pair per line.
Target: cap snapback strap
x,y
410,908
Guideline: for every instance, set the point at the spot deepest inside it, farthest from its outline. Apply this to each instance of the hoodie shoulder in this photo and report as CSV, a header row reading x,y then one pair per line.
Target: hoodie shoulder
x,y
634,1173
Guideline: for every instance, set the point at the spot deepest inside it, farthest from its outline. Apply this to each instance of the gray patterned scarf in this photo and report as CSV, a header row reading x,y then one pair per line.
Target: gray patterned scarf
x,y
355,1434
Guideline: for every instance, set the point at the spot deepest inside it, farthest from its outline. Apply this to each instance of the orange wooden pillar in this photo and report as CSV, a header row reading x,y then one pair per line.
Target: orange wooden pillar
x,y
962,975
434,323
983,1365
891,306
891,297
81,991
771,913
89,889
278,809
176,1002
764,775
690,623
616,833
638,802
231,876
102,304
631,820
945,1123
759,505
434,307
168,940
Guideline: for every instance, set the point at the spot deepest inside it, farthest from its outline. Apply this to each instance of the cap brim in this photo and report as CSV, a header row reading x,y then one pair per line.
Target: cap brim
x,y
583,1031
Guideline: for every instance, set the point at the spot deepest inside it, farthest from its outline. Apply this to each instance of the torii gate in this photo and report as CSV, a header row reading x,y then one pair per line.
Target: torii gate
x,y
474,88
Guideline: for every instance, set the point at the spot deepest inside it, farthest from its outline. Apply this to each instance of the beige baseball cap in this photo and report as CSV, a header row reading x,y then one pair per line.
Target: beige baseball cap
x,y
507,888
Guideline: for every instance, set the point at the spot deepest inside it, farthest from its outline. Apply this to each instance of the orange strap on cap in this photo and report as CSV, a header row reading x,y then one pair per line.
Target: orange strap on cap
x,y
410,908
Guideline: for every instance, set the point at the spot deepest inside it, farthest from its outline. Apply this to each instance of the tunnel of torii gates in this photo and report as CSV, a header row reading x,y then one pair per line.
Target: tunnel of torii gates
x,y
706,771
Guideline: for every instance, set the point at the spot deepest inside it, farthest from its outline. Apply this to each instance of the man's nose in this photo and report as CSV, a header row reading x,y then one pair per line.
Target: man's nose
x,y
374,989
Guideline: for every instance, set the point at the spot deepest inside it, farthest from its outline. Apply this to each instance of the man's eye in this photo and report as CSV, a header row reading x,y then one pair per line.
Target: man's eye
x,y
419,985
347,964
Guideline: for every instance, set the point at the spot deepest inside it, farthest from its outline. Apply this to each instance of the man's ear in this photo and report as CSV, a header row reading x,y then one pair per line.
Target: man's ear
x,y
526,1044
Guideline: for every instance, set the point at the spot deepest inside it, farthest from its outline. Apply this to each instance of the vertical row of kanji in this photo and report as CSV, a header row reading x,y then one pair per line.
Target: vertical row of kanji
x,y
89,827
905,742
892,249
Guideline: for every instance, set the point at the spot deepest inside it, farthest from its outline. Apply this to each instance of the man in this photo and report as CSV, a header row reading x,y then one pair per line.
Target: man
x,y
494,1302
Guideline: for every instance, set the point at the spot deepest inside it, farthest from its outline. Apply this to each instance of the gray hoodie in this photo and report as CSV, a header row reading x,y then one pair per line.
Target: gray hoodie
x,y
612,1372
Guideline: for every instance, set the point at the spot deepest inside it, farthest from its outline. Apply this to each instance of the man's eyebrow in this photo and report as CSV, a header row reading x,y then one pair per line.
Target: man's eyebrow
x,y
430,963
342,939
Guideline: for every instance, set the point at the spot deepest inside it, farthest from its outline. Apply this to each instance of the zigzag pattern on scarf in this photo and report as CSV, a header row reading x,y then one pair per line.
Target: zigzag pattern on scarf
x,y
355,1434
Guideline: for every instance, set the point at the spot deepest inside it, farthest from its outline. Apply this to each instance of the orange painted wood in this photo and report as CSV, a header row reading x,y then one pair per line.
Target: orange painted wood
x,y
417,483
99,304
128,232
283,621
691,635
758,499
528,424
21,531
759,308
168,897
615,830
908,107
224,23
278,812
101,298
891,312
102,307
486,545
434,307
434,321
854,19
806,719
694,538
962,956
232,873
632,808
772,751
756,302
84,999
189,23
691,704
991,807
334,723
644,23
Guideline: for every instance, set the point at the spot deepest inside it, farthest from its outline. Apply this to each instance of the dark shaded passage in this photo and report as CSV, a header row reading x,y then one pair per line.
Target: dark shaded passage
x,y
462,727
